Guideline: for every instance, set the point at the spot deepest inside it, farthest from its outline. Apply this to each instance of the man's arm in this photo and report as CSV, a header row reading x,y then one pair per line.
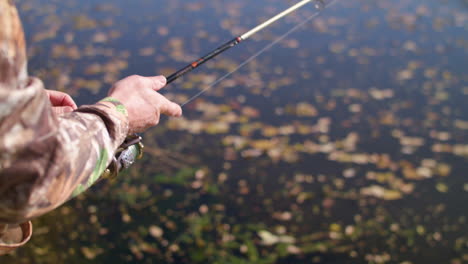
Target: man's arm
x,y
46,159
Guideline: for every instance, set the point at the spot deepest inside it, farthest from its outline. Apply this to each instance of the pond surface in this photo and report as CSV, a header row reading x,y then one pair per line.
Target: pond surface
x,y
345,143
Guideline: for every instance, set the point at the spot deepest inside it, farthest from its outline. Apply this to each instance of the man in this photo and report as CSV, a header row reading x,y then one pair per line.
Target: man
x,y
50,150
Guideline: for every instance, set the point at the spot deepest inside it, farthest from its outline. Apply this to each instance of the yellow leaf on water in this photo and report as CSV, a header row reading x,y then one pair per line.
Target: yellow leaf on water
x,y
305,109
156,231
84,22
442,187
148,51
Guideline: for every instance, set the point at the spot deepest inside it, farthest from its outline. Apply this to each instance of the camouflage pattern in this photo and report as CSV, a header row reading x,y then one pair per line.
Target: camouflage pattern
x,y
46,159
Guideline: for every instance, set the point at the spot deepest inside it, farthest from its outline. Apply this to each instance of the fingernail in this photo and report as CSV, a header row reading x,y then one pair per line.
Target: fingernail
x,y
178,109
162,79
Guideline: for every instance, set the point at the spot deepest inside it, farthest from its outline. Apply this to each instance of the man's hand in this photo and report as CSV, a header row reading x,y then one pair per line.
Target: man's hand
x,y
143,103
61,102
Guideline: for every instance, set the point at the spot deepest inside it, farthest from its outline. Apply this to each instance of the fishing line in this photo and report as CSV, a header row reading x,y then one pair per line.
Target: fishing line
x,y
133,149
266,48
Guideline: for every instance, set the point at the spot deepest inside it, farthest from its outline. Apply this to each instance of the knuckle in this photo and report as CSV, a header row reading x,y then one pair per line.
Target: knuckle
x,y
136,78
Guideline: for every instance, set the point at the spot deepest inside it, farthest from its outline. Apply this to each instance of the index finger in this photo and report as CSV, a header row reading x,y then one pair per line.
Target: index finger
x,y
169,108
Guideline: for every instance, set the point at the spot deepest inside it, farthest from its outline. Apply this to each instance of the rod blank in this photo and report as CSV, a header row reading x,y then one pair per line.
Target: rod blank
x,y
274,19
234,42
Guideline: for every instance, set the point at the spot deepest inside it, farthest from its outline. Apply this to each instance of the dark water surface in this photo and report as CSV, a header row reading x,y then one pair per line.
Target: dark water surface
x,y
345,143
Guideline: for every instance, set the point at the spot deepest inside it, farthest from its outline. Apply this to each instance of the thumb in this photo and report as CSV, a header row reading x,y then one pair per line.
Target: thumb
x,y
157,82
60,110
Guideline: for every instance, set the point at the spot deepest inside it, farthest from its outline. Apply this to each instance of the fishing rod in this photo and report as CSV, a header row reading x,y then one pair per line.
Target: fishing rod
x,y
239,39
132,148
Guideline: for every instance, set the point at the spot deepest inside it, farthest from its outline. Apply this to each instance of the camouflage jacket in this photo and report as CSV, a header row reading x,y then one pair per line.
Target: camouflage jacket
x,y
45,159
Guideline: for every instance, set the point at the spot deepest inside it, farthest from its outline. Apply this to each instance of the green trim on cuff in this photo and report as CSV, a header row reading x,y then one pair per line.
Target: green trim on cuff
x,y
118,105
98,170
110,99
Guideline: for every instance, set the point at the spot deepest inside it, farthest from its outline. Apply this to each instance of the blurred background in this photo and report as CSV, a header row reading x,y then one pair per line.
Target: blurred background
x,y
345,143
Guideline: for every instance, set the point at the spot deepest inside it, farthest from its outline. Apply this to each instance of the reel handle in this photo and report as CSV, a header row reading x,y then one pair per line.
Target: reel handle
x,y
130,151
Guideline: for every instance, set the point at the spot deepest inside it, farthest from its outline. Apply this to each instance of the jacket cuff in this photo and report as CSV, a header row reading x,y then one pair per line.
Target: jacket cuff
x,y
113,113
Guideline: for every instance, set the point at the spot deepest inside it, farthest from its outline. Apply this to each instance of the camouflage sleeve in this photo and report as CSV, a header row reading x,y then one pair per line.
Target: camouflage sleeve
x,y
44,159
